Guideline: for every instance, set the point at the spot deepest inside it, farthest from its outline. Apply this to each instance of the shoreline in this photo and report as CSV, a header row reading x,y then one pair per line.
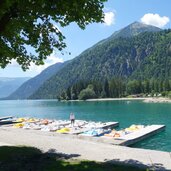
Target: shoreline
x,y
144,99
157,100
115,99
107,99
92,151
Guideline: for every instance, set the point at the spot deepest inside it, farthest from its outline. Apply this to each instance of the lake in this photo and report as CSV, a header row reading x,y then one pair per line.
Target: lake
x,y
125,112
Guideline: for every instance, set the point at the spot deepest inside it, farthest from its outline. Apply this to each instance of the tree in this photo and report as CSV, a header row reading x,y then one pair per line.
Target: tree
x,y
68,93
97,86
33,24
73,93
134,87
166,86
87,93
106,88
146,86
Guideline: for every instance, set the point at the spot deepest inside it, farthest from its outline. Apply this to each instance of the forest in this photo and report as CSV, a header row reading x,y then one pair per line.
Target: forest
x,y
117,88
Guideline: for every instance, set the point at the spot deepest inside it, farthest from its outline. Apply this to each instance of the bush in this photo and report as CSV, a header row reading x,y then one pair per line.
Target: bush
x,y
86,94
165,93
169,94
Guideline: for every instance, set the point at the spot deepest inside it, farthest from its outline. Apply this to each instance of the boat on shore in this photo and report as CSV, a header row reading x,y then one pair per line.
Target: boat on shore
x,y
7,120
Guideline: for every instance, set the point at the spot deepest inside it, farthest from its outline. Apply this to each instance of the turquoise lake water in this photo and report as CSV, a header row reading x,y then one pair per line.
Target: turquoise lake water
x,y
125,112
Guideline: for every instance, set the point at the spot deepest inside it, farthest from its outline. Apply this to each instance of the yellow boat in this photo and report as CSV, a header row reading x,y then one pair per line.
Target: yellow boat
x,y
63,130
21,120
32,120
18,125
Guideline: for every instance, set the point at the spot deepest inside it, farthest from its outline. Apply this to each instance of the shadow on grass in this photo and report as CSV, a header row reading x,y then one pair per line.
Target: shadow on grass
x,y
21,158
137,164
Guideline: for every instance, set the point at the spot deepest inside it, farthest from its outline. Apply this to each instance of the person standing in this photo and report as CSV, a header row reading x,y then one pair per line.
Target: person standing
x,y
72,119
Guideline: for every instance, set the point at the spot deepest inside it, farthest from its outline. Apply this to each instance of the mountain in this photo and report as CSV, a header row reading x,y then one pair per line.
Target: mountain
x,y
135,29
137,51
131,30
29,87
9,85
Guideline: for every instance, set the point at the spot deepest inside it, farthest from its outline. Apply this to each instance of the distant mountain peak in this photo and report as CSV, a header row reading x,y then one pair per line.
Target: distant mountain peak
x,y
134,29
137,24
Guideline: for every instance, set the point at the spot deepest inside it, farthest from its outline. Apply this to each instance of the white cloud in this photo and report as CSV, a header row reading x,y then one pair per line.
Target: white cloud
x,y
34,69
52,59
155,20
109,18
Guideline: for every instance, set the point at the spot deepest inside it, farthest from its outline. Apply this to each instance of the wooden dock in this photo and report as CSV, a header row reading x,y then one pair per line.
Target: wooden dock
x,y
142,134
134,137
125,140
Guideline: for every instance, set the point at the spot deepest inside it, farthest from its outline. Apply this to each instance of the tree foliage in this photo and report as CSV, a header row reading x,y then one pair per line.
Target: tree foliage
x,y
32,24
87,93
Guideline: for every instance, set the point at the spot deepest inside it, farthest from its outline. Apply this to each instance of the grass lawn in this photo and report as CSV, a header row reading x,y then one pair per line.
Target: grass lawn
x,y
14,158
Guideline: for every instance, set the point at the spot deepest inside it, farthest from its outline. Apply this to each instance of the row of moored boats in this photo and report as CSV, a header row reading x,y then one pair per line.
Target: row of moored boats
x,y
80,127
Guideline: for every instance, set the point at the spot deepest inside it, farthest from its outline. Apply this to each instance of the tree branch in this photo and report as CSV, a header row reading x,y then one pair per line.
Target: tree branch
x,y
5,19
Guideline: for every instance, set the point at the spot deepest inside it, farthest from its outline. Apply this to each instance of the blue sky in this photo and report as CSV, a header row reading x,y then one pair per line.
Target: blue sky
x,y
119,13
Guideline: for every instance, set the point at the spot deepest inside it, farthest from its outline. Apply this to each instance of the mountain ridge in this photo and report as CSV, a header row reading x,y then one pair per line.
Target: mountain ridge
x,y
9,84
134,29
116,55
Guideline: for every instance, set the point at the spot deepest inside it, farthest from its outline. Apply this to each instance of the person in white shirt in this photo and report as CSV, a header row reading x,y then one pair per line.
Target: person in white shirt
x,y
72,119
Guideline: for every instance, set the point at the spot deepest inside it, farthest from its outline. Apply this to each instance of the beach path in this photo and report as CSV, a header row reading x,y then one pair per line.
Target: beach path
x,y
85,149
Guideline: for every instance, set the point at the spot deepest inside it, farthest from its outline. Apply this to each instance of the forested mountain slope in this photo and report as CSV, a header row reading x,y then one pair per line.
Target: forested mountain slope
x,y
147,55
